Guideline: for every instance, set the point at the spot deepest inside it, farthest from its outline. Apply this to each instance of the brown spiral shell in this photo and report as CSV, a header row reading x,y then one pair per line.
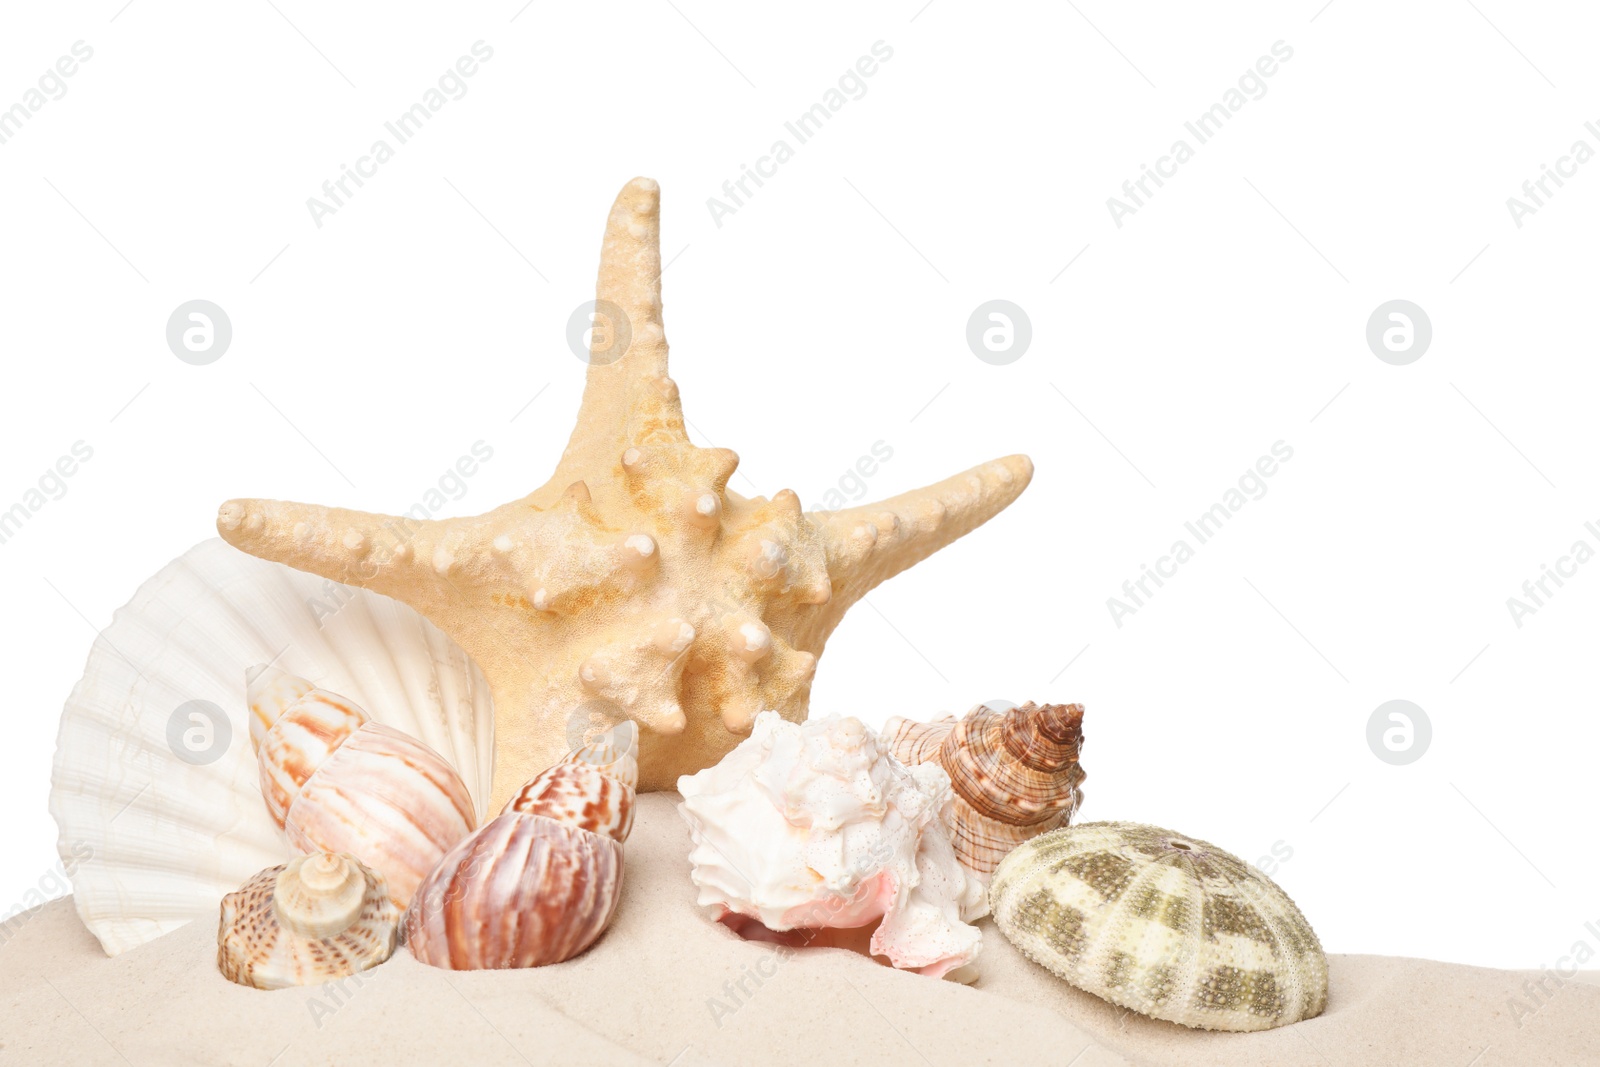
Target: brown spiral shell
x,y
1014,773
1020,766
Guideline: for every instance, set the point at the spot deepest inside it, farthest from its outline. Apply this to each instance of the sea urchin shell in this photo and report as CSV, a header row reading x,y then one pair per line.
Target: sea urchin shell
x,y
1167,925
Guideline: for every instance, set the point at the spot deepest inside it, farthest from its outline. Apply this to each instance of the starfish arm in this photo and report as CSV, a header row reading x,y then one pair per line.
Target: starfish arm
x,y
872,543
377,552
628,400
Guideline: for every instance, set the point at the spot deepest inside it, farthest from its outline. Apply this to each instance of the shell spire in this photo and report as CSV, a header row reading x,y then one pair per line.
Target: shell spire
x,y
1040,779
635,577
1014,773
592,789
317,918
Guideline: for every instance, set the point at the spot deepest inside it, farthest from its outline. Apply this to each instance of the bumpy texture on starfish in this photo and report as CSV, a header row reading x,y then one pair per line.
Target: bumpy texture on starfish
x,y
634,584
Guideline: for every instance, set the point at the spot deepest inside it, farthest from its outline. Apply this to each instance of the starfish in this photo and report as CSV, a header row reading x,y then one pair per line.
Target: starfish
x,y
634,584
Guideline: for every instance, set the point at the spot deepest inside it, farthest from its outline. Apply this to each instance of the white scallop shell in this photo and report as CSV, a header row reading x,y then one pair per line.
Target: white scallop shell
x,y
814,824
166,838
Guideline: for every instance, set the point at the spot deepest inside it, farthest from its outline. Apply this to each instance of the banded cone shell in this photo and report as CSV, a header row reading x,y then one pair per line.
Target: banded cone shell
x,y
1014,773
540,883
337,782
1162,923
316,918
524,891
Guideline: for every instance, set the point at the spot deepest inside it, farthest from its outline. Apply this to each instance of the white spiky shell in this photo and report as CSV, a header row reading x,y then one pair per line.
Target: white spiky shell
x,y
1165,924
812,825
165,838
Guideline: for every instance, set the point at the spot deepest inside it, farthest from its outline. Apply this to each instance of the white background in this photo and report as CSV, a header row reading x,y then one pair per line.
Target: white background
x,y
829,313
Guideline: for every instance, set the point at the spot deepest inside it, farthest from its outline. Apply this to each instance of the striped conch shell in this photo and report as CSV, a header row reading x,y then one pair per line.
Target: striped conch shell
x,y
316,918
338,782
539,883
1014,773
1163,923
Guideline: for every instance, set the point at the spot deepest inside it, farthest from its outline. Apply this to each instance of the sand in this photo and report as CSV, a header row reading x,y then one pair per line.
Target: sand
x,y
663,987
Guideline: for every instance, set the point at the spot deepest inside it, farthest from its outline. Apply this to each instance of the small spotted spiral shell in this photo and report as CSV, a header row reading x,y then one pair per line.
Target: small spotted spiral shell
x,y
316,918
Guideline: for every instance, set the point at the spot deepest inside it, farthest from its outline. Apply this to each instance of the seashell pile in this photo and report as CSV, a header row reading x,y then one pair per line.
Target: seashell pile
x,y
1015,773
1170,926
316,918
813,825
155,789
338,782
541,882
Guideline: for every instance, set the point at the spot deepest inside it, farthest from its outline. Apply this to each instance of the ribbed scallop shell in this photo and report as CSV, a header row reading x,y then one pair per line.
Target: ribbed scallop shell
x,y
524,891
257,947
1164,924
165,837
1015,773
